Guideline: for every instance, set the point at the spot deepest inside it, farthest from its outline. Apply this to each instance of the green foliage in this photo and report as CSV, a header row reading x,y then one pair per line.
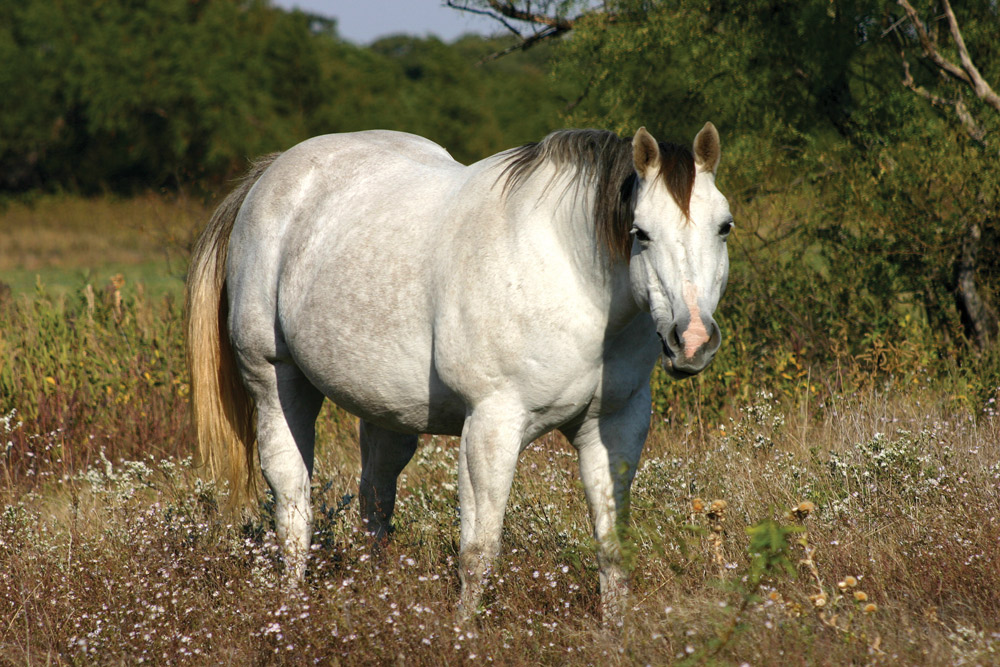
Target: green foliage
x,y
140,94
171,92
91,372
770,550
670,63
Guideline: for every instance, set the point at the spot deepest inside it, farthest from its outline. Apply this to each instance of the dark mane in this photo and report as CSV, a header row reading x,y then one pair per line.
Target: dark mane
x,y
604,160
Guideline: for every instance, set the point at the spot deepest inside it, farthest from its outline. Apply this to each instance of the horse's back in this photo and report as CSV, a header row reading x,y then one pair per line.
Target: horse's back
x,y
371,144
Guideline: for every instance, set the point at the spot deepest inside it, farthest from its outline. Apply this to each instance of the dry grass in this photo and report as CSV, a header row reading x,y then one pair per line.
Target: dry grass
x,y
131,561
68,240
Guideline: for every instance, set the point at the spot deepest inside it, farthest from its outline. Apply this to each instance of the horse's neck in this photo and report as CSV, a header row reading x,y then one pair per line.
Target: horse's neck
x,y
606,278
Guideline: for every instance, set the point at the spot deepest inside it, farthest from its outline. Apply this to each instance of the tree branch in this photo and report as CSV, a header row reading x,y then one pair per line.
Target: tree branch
x,y
971,126
512,12
546,26
930,48
524,45
483,12
967,73
983,89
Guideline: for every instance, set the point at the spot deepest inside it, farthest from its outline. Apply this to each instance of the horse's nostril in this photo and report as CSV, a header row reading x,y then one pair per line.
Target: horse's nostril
x,y
675,339
716,338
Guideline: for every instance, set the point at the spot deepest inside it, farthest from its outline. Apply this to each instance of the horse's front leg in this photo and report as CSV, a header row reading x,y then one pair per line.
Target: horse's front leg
x,y
609,447
491,441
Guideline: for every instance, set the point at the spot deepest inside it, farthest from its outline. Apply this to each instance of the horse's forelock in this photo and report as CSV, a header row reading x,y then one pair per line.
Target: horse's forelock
x,y
604,159
677,169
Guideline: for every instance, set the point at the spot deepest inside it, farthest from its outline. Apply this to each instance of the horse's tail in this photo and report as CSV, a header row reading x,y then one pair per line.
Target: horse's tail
x,y
223,410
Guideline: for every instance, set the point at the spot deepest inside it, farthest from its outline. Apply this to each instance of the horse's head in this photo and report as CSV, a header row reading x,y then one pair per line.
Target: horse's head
x,y
680,264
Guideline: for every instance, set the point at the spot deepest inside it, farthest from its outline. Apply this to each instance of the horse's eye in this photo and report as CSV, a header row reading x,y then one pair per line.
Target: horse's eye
x,y
640,234
726,227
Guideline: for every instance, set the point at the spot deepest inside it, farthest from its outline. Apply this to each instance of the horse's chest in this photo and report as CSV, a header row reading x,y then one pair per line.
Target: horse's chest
x,y
555,368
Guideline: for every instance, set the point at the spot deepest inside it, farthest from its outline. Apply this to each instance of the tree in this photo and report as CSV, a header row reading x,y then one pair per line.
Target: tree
x,y
952,80
143,95
126,96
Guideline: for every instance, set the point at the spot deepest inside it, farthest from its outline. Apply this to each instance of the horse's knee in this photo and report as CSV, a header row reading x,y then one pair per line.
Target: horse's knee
x,y
472,561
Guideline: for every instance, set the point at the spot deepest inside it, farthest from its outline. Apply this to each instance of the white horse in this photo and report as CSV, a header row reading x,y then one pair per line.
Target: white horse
x,y
530,291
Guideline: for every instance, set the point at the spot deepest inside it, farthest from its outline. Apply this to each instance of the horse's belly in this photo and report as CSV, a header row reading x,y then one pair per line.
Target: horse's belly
x,y
405,414
378,368
399,405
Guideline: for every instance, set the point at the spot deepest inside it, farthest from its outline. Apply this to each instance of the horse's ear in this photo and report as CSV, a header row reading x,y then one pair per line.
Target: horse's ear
x,y
645,153
706,149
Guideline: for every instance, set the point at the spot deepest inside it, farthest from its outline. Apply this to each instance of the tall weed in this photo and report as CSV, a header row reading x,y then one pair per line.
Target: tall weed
x,y
95,370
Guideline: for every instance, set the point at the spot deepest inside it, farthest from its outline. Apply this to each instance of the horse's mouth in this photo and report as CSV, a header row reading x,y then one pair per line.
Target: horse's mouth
x,y
668,362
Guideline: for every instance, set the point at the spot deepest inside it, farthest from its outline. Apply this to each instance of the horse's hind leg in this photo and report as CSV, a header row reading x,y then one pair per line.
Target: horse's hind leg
x,y
384,454
287,407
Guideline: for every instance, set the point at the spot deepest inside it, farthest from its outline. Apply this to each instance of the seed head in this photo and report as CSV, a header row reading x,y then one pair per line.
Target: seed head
x,y
803,509
818,600
716,510
697,505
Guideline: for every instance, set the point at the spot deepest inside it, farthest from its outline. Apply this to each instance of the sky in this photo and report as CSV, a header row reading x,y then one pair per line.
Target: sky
x,y
363,21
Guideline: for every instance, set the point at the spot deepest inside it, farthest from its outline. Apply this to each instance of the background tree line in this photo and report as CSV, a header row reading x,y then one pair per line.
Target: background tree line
x,y
127,95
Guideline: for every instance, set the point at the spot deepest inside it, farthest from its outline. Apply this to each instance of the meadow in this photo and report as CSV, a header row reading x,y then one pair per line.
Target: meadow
x,y
828,515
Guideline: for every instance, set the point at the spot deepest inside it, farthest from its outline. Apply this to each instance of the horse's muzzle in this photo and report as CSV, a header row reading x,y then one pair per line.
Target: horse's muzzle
x,y
682,360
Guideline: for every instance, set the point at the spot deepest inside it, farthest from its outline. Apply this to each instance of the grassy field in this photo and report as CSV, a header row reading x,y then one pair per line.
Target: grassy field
x,y
63,242
804,527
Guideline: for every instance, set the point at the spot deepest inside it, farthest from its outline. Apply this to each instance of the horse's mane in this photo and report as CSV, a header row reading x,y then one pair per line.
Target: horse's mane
x,y
604,160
